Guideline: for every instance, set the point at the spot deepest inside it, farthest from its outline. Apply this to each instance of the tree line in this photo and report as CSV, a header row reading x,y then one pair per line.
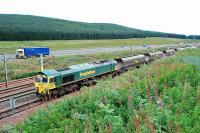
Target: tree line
x,y
25,27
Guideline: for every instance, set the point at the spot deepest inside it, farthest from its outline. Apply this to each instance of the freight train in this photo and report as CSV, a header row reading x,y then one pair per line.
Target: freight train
x,y
60,82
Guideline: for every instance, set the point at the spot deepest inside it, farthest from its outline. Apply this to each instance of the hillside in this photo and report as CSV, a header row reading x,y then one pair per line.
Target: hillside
x,y
25,27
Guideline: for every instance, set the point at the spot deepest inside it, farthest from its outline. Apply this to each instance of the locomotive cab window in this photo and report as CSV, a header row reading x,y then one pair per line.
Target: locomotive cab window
x,y
51,80
38,79
41,79
44,80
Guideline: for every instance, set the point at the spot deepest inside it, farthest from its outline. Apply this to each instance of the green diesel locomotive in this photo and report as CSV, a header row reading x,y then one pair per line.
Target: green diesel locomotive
x,y
63,80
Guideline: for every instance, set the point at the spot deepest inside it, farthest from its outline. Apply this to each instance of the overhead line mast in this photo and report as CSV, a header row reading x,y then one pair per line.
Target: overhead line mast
x,y
4,59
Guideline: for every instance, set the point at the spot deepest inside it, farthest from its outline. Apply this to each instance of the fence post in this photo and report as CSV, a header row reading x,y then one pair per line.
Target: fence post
x,y
13,104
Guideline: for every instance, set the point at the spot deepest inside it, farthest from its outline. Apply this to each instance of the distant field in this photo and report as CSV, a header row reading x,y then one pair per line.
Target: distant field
x,y
11,46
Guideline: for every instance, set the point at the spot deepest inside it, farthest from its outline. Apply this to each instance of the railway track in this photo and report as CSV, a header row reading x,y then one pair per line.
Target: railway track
x,y
19,96
15,83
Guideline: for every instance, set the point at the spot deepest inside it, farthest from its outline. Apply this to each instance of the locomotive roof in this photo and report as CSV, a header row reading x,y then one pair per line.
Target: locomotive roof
x,y
85,66
50,72
76,68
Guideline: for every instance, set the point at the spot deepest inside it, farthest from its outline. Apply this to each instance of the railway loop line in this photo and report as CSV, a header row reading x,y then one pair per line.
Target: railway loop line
x,y
15,83
16,93
15,89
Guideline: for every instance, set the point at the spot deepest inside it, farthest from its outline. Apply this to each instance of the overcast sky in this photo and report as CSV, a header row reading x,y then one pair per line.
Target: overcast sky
x,y
175,16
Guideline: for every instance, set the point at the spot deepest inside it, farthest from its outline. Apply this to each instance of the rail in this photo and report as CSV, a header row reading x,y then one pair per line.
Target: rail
x,y
19,96
13,83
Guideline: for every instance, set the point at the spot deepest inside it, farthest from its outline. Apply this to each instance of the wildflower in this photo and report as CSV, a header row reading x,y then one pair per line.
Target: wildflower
x,y
101,105
160,103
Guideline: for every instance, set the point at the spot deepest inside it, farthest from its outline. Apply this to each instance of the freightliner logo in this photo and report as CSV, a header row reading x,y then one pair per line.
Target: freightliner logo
x,y
87,73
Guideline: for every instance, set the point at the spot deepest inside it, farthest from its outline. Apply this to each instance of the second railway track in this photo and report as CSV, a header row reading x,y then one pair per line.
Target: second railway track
x,y
15,83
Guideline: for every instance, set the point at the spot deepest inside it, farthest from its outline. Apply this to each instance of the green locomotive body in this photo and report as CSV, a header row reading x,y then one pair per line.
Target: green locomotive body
x,y
51,79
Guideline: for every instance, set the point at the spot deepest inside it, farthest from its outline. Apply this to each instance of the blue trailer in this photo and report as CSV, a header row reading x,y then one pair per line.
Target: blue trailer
x,y
31,52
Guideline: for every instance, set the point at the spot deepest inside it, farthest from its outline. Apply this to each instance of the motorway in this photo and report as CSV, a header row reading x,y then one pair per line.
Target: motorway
x,y
83,51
